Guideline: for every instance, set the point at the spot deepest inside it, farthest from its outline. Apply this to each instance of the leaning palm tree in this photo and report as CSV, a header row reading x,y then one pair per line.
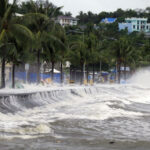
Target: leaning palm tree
x,y
8,26
21,41
6,13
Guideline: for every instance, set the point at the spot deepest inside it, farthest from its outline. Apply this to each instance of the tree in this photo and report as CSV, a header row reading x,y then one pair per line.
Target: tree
x,y
40,23
92,47
8,28
6,13
21,38
78,54
54,47
44,7
63,47
117,51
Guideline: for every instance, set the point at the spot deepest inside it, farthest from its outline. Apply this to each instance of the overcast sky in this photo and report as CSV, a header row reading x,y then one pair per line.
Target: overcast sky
x,y
96,6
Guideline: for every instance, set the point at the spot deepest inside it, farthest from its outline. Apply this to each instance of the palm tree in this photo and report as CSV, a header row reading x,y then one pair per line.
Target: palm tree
x,y
6,13
78,54
92,46
62,51
21,39
9,27
123,51
40,21
117,51
37,23
54,47
126,44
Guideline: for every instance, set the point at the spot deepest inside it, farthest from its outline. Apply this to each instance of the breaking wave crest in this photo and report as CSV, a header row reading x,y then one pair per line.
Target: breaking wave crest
x,y
95,113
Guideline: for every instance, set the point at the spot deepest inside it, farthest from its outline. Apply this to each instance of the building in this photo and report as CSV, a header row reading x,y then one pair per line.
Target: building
x,y
135,24
108,20
67,21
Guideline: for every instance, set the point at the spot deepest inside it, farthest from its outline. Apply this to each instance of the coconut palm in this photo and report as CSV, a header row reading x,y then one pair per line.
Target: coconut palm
x,y
92,47
6,13
117,52
9,27
40,21
21,39
37,23
78,54
63,47
54,46
123,52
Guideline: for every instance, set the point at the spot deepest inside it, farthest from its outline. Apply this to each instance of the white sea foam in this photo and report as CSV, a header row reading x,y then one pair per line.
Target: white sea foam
x,y
141,77
99,102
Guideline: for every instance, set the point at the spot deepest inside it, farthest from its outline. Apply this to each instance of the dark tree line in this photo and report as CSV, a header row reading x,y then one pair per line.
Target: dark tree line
x,y
120,14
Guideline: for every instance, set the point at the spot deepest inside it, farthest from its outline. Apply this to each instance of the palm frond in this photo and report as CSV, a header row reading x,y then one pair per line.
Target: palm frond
x,y
32,18
2,35
21,32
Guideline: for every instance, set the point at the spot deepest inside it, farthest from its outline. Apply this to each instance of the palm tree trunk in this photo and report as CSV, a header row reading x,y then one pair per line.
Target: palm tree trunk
x,y
81,82
87,74
116,71
13,76
119,72
93,73
38,67
100,66
61,75
52,71
3,73
70,74
125,70
75,75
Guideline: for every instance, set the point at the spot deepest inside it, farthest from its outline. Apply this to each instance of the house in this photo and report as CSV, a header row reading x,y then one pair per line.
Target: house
x,y
67,21
135,24
108,20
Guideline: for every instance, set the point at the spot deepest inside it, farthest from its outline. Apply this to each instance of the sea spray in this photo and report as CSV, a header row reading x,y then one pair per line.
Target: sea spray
x,y
141,77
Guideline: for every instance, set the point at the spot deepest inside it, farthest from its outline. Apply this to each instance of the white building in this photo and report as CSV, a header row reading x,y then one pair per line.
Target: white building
x,y
135,24
67,21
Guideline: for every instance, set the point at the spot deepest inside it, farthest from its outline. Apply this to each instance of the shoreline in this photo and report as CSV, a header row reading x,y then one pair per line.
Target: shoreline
x,y
34,89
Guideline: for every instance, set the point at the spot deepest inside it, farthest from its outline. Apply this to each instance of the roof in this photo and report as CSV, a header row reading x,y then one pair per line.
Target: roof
x,y
108,20
49,70
67,17
134,18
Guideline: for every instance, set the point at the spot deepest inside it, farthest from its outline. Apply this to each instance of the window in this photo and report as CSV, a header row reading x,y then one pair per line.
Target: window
x,y
133,26
147,27
143,22
138,27
137,22
142,27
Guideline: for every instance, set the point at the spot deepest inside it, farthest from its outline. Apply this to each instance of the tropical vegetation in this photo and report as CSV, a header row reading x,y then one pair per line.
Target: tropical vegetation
x,y
29,33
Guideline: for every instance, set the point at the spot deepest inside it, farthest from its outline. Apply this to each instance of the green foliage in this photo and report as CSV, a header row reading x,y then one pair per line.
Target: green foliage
x,y
36,36
120,14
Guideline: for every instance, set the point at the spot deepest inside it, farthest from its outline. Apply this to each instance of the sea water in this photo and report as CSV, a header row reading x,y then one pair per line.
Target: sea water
x,y
99,117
